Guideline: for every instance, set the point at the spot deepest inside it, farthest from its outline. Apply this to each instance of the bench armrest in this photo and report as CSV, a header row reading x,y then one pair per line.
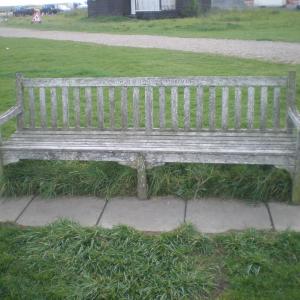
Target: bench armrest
x,y
294,116
11,113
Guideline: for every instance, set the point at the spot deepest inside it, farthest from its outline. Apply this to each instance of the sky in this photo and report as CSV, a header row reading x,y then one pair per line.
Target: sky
x,y
32,2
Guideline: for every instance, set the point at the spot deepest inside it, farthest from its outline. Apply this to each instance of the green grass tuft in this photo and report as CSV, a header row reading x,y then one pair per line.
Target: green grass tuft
x,y
66,261
104,179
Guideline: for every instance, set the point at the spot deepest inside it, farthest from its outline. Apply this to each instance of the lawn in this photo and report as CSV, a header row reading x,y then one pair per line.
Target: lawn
x,y
67,261
251,24
62,59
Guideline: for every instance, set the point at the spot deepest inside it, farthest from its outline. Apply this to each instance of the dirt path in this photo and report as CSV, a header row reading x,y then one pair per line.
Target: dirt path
x,y
262,50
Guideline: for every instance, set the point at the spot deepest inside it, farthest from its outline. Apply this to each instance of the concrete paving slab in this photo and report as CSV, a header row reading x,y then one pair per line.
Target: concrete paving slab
x,y
156,214
10,208
216,215
285,216
85,210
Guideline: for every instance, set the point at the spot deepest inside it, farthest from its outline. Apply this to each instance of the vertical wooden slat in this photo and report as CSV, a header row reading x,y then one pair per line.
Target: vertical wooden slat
x,y
100,107
149,108
20,100
65,106
290,98
162,108
43,107
76,93
111,95
250,109
124,108
31,107
263,108
88,106
276,110
136,107
237,108
225,93
187,118
174,107
199,108
53,107
212,108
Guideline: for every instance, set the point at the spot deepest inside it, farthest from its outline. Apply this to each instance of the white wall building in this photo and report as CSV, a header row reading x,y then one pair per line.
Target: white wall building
x,y
152,5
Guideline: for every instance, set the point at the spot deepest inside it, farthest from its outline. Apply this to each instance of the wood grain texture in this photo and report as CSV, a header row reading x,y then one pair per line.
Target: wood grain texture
x,y
263,108
157,81
162,108
65,107
149,108
124,108
20,100
100,108
212,108
186,108
88,107
250,109
53,98
111,95
174,107
76,94
142,179
225,94
199,108
237,108
31,107
136,107
43,110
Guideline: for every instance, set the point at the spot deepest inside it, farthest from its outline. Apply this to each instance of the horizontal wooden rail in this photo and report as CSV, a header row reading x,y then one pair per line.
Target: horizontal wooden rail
x,y
156,81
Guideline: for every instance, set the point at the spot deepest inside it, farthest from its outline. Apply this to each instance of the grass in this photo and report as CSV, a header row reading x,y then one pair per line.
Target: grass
x,y
37,58
251,24
67,261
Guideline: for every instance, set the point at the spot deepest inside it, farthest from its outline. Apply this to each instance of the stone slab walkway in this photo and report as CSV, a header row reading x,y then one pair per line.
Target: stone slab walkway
x,y
155,215
263,50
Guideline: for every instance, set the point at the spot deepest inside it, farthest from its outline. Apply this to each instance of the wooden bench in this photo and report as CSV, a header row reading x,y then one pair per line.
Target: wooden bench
x,y
145,122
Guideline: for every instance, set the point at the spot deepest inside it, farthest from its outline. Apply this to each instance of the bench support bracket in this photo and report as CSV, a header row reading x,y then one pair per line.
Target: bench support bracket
x,y
141,178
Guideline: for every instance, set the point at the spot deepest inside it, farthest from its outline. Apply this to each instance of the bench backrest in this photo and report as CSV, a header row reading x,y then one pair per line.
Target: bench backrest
x,y
179,104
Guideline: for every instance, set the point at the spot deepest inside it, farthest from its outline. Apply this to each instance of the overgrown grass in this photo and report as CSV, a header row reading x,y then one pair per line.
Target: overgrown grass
x,y
37,58
66,261
49,179
254,24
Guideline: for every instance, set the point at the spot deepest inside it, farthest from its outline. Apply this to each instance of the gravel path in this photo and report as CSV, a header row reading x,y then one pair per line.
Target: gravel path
x,y
263,50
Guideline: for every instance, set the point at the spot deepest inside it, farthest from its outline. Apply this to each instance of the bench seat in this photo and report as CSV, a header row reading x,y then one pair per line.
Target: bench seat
x,y
143,122
156,147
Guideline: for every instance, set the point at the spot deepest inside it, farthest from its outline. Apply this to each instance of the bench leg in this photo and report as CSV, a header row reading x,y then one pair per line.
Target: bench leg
x,y
1,166
296,186
141,178
296,175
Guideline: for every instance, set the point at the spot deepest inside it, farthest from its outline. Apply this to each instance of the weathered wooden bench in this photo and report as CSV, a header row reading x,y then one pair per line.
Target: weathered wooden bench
x,y
145,122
